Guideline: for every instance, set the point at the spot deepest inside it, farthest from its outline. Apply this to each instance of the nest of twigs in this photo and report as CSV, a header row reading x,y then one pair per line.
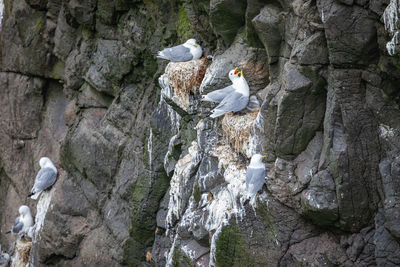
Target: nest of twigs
x,y
237,128
186,77
23,249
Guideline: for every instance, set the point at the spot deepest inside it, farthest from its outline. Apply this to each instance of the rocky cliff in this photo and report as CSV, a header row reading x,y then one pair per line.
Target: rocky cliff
x,y
145,179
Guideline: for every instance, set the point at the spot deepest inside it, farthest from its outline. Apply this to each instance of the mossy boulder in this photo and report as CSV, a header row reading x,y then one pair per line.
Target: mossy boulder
x,y
146,197
232,249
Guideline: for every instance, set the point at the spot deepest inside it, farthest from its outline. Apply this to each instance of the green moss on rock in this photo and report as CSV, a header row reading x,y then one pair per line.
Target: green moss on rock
x,y
39,24
179,259
196,193
231,249
264,213
87,33
148,191
58,70
188,132
183,27
149,63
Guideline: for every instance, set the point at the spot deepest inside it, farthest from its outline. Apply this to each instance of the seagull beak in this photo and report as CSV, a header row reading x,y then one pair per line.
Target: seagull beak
x,y
241,74
264,156
195,45
236,72
23,216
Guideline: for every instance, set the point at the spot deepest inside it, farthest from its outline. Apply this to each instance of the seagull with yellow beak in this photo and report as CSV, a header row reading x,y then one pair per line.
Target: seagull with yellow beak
x,y
236,100
219,95
182,53
23,222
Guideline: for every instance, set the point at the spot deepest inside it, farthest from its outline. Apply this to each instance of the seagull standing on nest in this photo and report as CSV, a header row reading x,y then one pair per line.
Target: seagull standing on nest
x,y
23,222
182,53
218,95
45,178
236,100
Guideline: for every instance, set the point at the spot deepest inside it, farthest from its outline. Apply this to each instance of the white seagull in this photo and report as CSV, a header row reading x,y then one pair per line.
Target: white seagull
x,y
23,222
255,175
4,258
236,100
182,53
45,178
218,95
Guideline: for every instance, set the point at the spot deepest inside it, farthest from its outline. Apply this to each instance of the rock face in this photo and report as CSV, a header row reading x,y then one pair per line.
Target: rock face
x,y
147,179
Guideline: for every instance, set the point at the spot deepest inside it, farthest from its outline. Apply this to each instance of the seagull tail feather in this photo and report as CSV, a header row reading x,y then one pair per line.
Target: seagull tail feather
x,y
205,114
217,113
158,54
34,195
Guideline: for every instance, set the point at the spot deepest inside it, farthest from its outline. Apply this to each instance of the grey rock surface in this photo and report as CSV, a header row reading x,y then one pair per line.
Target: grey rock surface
x,y
146,182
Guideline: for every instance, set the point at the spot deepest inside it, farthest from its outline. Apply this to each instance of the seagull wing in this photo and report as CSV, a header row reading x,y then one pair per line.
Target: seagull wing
x,y
18,225
234,102
45,178
4,258
255,178
219,95
178,53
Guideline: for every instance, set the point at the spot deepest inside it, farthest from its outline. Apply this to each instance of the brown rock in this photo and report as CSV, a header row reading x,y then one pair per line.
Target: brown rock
x,y
70,113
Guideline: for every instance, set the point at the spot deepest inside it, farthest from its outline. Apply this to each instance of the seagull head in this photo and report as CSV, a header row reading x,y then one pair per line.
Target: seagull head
x,y
257,159
233,74
45,161
24,210
192,42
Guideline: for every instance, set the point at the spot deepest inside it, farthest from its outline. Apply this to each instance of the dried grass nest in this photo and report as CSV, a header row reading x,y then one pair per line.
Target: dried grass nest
x,y
237,128
186,77
23,248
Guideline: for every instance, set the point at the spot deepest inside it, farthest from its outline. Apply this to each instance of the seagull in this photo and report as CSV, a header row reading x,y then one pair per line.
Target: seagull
x,y
4,259
182,53
236,100
255,175
23,222
45,178
218,95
